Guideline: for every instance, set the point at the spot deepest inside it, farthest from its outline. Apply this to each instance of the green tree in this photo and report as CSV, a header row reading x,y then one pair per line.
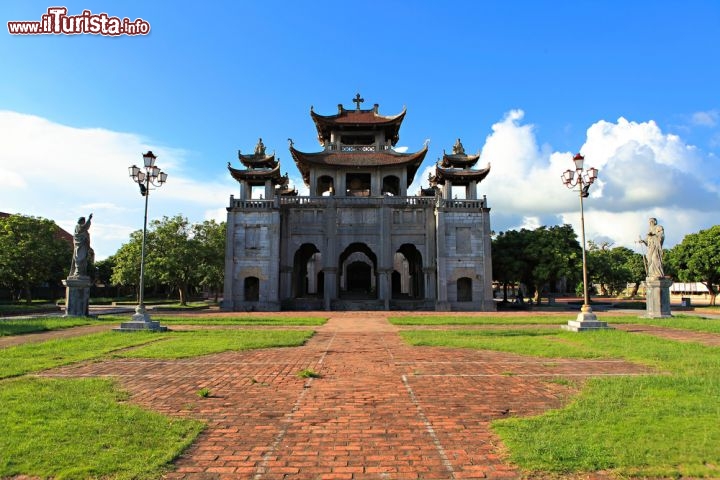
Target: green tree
x,y
635,263
614,268
553,253
210,237
697,259
171,254
103,270
126,267
31,253
538,258
507,262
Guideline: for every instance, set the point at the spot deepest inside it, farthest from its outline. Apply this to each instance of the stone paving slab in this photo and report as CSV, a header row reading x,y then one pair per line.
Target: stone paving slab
x,y
381,409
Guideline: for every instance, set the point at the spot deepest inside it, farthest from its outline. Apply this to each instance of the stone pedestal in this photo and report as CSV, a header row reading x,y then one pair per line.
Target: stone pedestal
x,y
77,296
586,320
657,297
141,322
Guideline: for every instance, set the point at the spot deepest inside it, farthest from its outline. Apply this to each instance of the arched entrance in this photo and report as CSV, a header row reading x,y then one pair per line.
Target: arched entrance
x,y
307,274
408,279
358,267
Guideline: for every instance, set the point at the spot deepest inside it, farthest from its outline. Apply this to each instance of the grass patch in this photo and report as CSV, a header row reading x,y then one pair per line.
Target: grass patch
x,y
240,320
664,425
203,392
496,320
80,428
34,357
19,308
204,342
682,322
308,373
540,342
20,327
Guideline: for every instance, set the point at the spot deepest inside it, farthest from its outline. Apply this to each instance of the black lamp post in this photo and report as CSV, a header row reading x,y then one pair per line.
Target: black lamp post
x,y
583,179
146,176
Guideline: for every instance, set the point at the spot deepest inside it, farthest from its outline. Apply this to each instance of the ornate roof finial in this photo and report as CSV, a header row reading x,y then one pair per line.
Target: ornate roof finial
x,y
458,148
290,141
260,148
358,100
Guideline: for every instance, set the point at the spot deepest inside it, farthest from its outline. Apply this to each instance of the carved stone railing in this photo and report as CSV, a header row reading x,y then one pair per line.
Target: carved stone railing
x,y
322,202
462,204
356,148
252,204
357,201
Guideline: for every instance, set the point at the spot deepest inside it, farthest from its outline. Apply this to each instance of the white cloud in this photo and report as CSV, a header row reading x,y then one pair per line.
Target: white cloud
x,y
706,119
60,172
644,172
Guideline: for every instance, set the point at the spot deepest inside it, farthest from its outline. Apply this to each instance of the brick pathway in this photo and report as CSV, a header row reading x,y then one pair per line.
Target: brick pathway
x,y
381,409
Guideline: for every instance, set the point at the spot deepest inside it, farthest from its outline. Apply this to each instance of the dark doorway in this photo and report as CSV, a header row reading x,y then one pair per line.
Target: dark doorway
x,y
252,289
464,289
415,281
358,277
358,267
300,283
396,284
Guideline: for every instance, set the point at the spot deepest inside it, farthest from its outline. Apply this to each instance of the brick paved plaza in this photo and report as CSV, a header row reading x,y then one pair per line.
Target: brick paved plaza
x,y
381,409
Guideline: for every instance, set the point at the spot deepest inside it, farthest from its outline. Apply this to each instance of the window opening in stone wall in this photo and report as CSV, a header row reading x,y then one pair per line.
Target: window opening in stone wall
x,y
391,185
358,184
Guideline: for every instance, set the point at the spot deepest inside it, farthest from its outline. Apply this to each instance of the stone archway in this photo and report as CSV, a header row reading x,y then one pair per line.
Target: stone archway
x,y
409,266
306,263
358,272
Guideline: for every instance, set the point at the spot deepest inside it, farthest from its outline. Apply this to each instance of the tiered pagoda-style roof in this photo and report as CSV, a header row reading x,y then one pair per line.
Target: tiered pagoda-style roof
x,y
358,138
457,167
357,119
304,160
261,167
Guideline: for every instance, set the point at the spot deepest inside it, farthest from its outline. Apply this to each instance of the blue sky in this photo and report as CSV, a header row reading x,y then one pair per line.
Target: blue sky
x,y
633,85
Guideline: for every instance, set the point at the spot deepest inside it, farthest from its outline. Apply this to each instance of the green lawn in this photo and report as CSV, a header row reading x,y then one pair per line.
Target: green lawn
x,y
31,325
32,307
666,424
680,321
459,319
83,428
239,320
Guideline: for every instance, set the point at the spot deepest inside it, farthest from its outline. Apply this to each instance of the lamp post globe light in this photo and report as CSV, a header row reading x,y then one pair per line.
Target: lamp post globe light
x,y
146,176
583,179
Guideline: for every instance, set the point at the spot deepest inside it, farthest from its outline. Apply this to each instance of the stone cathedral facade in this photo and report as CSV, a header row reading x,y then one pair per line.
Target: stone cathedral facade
x,y
359,240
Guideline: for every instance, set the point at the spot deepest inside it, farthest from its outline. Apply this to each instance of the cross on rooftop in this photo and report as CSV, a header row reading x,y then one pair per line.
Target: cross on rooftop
x,y
358,100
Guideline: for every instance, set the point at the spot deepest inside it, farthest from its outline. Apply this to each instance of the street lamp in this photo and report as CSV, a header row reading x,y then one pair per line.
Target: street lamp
x,y
152,175
586,319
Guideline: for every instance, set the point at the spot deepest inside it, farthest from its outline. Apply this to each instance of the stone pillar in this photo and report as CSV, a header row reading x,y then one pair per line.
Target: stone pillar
x,y
77,296
384,289
330,286
430,283
229,281
488,298
657,297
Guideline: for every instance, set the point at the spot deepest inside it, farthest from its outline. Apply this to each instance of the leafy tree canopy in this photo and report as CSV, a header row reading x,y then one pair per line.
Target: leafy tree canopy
x,y
31,253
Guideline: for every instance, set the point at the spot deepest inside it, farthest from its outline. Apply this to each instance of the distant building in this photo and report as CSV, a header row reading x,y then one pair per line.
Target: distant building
x,y
359,240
